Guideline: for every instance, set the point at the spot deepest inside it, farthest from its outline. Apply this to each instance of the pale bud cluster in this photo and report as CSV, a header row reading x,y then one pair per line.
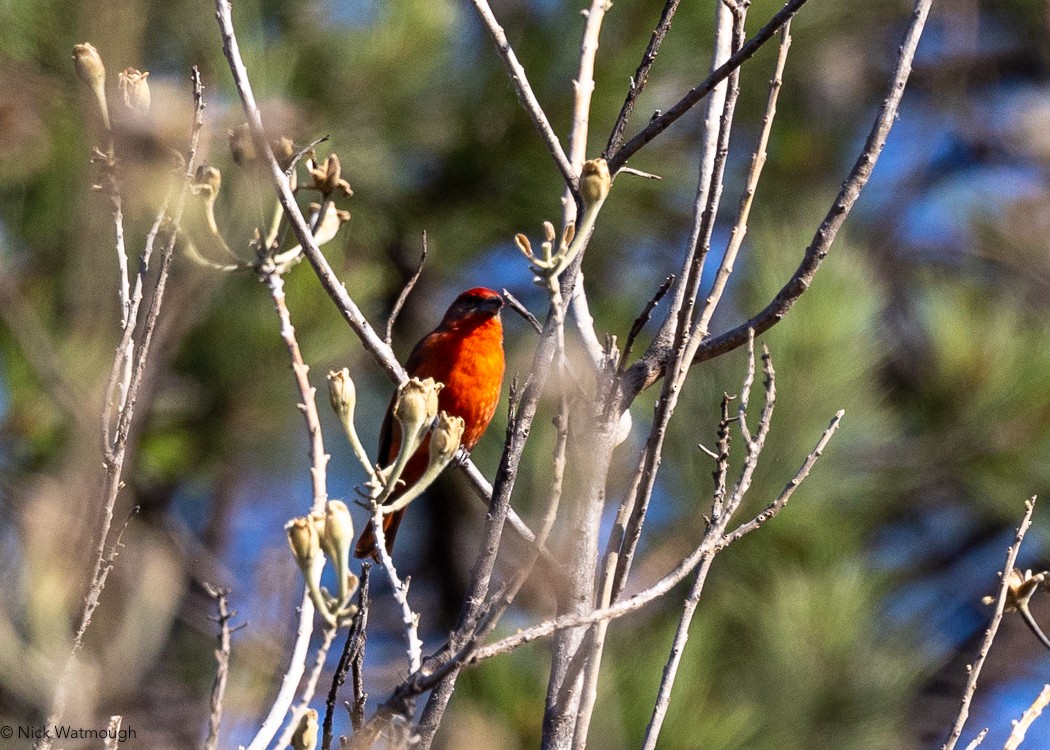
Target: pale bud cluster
x,y
418,417
326,536
549,263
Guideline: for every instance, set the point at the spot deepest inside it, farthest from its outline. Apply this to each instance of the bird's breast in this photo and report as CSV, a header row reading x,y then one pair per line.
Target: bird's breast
x,y
471,367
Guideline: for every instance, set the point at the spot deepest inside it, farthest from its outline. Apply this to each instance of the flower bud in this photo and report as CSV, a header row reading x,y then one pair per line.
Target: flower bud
x,y
242,147
342,393
304,541
524,245
305,735
594,181
338,536
330,223
135,88
207,181
283,151
416,405
88,64
327,176
90,70
445,438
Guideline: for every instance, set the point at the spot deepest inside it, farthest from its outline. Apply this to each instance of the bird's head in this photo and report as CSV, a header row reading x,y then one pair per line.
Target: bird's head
x,y
472,308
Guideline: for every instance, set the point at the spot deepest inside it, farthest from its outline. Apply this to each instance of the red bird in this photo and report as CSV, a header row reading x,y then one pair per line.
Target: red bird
x,y
465,352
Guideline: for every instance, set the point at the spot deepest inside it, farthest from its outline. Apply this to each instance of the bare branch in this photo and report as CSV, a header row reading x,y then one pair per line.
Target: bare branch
x,y
758,160
974,670
667,680
405,291
318,471
222,658
818,249
114,456
641,77
353,651
309,689
789,489
977,740
409,619
1031,714
523,311
643,317
526,97
658,124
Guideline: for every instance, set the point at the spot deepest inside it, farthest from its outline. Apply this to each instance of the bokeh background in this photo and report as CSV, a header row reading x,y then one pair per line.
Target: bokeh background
x,y
846,623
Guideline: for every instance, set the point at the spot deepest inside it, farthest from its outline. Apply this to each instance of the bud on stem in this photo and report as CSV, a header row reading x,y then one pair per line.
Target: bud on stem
x,y
88,64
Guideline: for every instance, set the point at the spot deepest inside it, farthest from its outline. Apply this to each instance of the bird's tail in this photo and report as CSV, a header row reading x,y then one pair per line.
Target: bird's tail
x,y
366,543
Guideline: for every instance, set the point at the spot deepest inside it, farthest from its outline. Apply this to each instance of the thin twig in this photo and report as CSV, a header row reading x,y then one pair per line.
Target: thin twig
x,y
758,160
641,77
818,249
667,679
309,689
516,305
639,600
777,505
660,123
318,463
222,658
643,317
974,670
583,88
409,619
977,740
352,650
1031,714
405,291
114,458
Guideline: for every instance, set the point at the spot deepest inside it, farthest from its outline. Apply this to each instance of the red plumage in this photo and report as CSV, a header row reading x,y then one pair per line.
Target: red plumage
x,y
465,352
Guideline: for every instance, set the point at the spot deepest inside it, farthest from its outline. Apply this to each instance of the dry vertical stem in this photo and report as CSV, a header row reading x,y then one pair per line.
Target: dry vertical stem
x,y
318,462
114,454
222,658
974,671
405,291
758,160
307,695
353,651
641,76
